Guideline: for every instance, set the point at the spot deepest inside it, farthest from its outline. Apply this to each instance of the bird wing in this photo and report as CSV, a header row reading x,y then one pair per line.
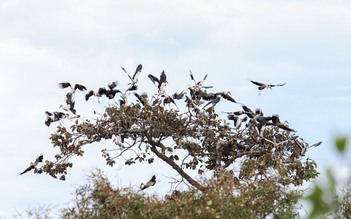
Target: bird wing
x,y
257,83
192,76
126,72
316,144
80,87
28,169
280,84
63,85
163,77
137,72
88,95
228,97
153,79
112,85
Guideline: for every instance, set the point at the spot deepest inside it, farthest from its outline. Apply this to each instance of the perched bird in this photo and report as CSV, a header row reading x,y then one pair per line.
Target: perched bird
x,y
33,165
262,86
151,182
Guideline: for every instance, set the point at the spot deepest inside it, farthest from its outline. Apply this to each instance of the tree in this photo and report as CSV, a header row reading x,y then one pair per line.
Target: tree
x,y
185,131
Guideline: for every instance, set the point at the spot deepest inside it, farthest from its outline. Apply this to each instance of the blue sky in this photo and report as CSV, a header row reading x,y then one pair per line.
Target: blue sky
x,y
304,43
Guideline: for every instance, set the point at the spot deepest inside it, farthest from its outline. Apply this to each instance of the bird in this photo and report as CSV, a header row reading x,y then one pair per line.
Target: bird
x,y
303,149
68,104
161,83
179,96
262,86
212,103
33,165
112,84
247,111
199,84
64,85
134,79
142,98
276,122
53,117
151,182
101,91
227,95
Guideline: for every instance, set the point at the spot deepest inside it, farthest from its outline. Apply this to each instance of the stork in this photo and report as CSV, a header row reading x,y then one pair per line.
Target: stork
x,y
64,85
262,86
68,104
53,117
151,182
33,165
199,84
179,96
134,79
161,83
142,98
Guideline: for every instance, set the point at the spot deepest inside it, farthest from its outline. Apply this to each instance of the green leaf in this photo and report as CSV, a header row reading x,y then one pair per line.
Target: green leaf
x,y
340,144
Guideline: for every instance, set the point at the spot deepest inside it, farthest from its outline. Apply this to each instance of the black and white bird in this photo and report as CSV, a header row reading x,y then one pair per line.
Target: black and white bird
x,y
68,104
161,83
53,117
199,84
179,96
151,182
262,86
134,79
143,98
64,85
33,164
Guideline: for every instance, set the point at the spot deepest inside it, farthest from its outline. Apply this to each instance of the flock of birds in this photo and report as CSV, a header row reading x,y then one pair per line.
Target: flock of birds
x,y
199,95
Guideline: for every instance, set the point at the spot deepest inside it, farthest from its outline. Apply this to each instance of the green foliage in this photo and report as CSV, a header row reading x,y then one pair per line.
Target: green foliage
x,y
325,200
225,199
340,144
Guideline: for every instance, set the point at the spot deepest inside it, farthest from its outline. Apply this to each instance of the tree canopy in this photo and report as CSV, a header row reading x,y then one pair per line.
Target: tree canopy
x,y
184,130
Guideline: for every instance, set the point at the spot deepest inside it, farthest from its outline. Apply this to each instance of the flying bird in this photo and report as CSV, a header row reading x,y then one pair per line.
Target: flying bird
x,y
199,84
134,79
33,165
262,86
161,83
278,123
64,85
227,95
53,117
151,182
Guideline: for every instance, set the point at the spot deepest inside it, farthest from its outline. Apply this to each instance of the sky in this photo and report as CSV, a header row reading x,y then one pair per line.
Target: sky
x,y
306,44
